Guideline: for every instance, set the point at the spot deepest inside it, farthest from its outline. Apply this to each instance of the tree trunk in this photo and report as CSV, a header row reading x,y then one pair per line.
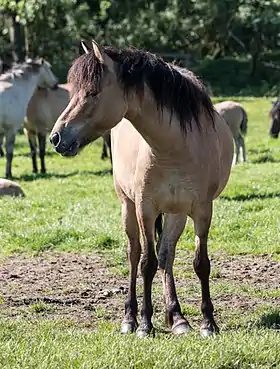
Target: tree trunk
x,y
17,39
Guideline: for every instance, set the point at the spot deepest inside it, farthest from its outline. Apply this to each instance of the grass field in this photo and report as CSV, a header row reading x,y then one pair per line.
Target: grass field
x,y
63,273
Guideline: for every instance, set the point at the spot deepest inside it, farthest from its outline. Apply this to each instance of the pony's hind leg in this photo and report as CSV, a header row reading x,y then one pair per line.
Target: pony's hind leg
x,y
146,216
202,220
237,149
174,225
104,153
130,224
42,151
2,154
242,144
9,145
33,149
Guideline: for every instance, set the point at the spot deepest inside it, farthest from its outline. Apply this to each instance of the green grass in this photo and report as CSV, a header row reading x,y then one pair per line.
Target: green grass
x,y
74,208
55,345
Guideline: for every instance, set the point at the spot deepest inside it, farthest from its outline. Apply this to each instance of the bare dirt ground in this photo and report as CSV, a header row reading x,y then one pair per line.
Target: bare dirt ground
x,y
84,289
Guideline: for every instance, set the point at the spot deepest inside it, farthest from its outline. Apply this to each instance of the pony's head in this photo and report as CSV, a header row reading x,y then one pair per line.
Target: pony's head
x,y
97,102
47,79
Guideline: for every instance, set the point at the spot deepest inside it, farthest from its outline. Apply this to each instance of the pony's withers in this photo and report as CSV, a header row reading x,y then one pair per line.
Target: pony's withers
x,y
172,154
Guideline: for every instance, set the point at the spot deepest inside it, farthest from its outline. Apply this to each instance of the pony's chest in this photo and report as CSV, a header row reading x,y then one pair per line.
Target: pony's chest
x,y
171,192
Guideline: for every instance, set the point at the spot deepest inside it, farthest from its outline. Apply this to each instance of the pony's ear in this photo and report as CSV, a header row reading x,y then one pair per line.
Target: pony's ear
x,y
41,61
85,46
102,56
97,51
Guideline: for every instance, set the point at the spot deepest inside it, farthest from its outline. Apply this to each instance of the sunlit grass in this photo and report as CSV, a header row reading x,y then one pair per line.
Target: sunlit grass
x,y
74,208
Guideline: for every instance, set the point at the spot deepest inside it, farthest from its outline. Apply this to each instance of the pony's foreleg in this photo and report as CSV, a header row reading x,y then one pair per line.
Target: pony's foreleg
x,y
2,154
174,225
133,252
33,149
9,145
146,216
202,220
42,151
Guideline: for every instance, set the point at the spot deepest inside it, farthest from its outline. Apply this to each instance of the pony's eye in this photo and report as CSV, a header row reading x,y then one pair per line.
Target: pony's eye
x,y
91,94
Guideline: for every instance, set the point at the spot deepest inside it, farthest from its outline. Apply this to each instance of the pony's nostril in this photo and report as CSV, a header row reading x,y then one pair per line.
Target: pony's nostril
x,y
55,139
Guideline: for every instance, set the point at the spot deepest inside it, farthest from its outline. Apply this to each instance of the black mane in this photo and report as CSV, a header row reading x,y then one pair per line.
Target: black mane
x,y
175,88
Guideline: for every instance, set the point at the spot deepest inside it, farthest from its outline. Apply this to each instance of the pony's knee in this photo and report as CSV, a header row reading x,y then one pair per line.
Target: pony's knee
x,y
201,265
149,264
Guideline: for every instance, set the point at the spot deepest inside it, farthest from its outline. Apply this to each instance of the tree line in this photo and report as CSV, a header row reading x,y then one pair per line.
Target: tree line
x,y
195,31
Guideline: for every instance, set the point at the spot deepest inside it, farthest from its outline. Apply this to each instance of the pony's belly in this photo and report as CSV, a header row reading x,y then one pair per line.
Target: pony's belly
x,y
176,200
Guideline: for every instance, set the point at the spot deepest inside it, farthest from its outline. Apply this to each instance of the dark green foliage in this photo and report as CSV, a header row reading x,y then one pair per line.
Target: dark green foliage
x,y
246,32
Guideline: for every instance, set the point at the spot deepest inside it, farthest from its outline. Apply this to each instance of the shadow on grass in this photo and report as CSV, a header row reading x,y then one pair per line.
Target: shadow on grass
x,y
265,159
28,155
34,177
270,320
99,173
253,196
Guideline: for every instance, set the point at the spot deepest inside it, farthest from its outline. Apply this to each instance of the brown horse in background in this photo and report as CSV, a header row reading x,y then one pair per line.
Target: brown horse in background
x,y
237,120
44,108
172,154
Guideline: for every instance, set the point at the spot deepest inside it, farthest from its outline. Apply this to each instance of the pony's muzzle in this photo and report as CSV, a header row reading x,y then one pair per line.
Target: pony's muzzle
x,y
55,139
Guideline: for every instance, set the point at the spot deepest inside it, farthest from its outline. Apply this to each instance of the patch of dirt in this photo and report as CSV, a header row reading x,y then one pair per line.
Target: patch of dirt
x,y
84,289
73,286
259,271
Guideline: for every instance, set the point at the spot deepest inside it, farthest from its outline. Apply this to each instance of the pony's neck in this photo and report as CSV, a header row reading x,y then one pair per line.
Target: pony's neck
x,y
25,87
153,123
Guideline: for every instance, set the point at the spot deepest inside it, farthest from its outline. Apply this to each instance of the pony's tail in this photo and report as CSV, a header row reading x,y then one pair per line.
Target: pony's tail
x,y
244,122
158,226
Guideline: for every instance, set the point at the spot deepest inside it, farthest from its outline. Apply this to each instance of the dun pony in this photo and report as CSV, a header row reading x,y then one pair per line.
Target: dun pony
x,y
172,154
237,120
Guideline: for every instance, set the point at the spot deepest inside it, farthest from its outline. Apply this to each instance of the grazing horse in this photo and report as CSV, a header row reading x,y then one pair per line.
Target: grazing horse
x,y
274,115
44,108
172,154
236,118
17,86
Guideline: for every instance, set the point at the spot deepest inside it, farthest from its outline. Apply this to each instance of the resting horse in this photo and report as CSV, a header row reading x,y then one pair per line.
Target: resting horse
x,y
236,118
44,108
17,86
172,154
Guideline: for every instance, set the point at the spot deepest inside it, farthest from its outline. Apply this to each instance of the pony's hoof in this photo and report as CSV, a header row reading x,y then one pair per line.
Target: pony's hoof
x,y
206,332
128,327
143,332
181,328
209,330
